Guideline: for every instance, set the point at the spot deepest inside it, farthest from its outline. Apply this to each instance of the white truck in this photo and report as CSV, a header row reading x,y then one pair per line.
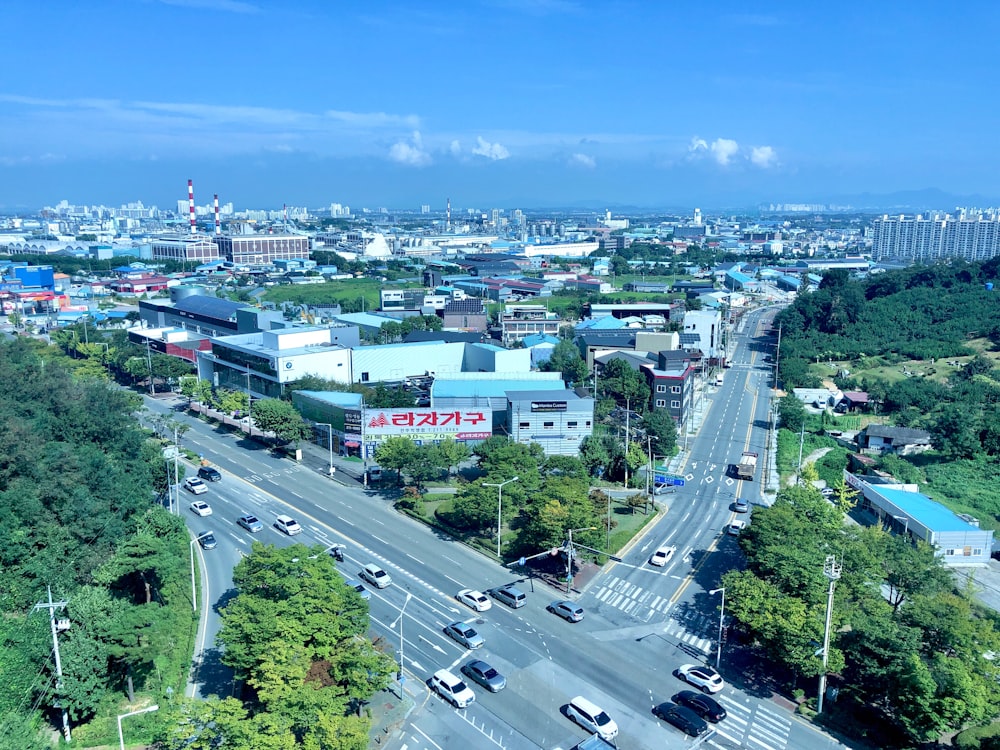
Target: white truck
x,y
747,466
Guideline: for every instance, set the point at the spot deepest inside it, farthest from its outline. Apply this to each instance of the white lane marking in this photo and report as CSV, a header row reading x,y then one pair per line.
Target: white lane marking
x,y
418,560
426,737
380,539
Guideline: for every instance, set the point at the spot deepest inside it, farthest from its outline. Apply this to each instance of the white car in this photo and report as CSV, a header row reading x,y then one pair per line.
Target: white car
x,y
702,677
201,508
662,556
473,599
453,689
195,485
736,527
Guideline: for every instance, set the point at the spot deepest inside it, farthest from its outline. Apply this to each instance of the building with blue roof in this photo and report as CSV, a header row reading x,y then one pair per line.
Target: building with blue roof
x,y
957,539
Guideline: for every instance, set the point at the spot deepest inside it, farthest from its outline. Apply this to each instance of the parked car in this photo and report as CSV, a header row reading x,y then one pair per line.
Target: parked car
x,y
452,688
741,505
207,540
473,599
705,707
375,576
702,677
195,485
210,474
201,508
250,522
288,525
681,717
567,610
485,675
465,634
662,556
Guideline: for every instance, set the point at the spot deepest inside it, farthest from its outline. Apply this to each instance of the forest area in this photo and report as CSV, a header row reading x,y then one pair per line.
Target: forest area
x,y
81,484
931,314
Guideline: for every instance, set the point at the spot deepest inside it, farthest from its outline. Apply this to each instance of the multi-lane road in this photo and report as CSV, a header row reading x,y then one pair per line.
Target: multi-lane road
x,y
641,622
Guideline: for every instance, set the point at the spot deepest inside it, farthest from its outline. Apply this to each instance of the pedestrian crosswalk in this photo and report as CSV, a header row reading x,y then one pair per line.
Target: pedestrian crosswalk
x,y
693,628
754,726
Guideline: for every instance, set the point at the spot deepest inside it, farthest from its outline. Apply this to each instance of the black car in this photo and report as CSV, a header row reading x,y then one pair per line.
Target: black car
x,y
681,717
207,540
705,707
210,474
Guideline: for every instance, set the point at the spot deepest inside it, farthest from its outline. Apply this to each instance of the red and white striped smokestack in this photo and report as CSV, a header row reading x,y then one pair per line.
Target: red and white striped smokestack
x,y
194,229
218,226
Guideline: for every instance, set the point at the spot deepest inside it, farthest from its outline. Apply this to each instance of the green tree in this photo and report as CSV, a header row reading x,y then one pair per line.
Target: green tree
x,y
396,452
791,412
452,453
659,424
625,384
281,418
566,359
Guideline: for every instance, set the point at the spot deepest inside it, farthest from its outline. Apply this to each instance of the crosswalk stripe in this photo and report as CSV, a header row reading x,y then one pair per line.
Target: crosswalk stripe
x,y
771,736
778,718
656,602
719,731
762,744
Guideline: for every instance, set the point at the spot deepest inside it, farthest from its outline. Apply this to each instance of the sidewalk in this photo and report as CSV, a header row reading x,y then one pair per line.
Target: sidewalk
x,y
388,712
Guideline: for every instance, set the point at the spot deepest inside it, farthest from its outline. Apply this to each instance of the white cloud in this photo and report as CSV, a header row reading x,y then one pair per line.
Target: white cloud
x,y
697,145
410,154
764,156
724,149
229,6
583,160
493,151
455,148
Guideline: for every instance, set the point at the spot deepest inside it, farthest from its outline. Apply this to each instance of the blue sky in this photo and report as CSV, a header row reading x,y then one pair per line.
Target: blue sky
x,y
494,102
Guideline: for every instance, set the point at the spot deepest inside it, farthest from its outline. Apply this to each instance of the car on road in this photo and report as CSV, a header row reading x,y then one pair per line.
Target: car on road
x,y
567,610
512,596
592,718
662,556
736,527
659,488
375,576
210,474
485,675
465,634
362,591
702,677
288,525
195,485
742,505
473,599
250,522
207,540
201,508
452,688
681,717
705,707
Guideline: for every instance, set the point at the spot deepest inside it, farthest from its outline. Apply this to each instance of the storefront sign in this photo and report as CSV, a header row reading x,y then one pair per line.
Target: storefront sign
x,y
428,424
548,406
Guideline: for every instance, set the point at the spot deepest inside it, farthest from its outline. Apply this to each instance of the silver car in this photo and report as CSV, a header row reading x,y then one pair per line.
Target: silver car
x,y
485,675
465,634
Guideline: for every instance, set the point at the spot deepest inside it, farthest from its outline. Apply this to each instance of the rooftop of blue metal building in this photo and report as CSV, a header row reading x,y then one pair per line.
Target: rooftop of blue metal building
x,y
924,510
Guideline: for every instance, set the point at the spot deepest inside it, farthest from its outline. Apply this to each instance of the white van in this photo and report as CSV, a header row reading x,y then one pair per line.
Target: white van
x,y
592,718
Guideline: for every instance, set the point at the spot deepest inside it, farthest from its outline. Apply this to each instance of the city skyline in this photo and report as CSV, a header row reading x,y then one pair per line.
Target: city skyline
x,y
492,103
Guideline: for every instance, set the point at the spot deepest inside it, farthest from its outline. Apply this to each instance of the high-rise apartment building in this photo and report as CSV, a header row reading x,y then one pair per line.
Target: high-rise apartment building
x,y
972,236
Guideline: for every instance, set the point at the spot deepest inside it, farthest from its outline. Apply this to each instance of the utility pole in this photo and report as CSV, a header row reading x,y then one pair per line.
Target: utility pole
x,y
177,486
831,569
52,606
149,363
628,412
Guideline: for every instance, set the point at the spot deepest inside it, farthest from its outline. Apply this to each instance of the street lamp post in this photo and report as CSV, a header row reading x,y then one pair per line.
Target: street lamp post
x,y
402,609
194,593
146,710
329,433
722,614
831,569
499,487
249,406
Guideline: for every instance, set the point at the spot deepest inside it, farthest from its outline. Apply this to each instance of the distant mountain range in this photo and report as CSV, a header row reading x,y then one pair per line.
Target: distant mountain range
x,y
911,201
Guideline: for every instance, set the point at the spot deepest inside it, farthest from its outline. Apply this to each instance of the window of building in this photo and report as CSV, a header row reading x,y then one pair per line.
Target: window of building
x,y
548,425
588,423
661,389
675,404
675,389
364,377
571,424
524,425
661,402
